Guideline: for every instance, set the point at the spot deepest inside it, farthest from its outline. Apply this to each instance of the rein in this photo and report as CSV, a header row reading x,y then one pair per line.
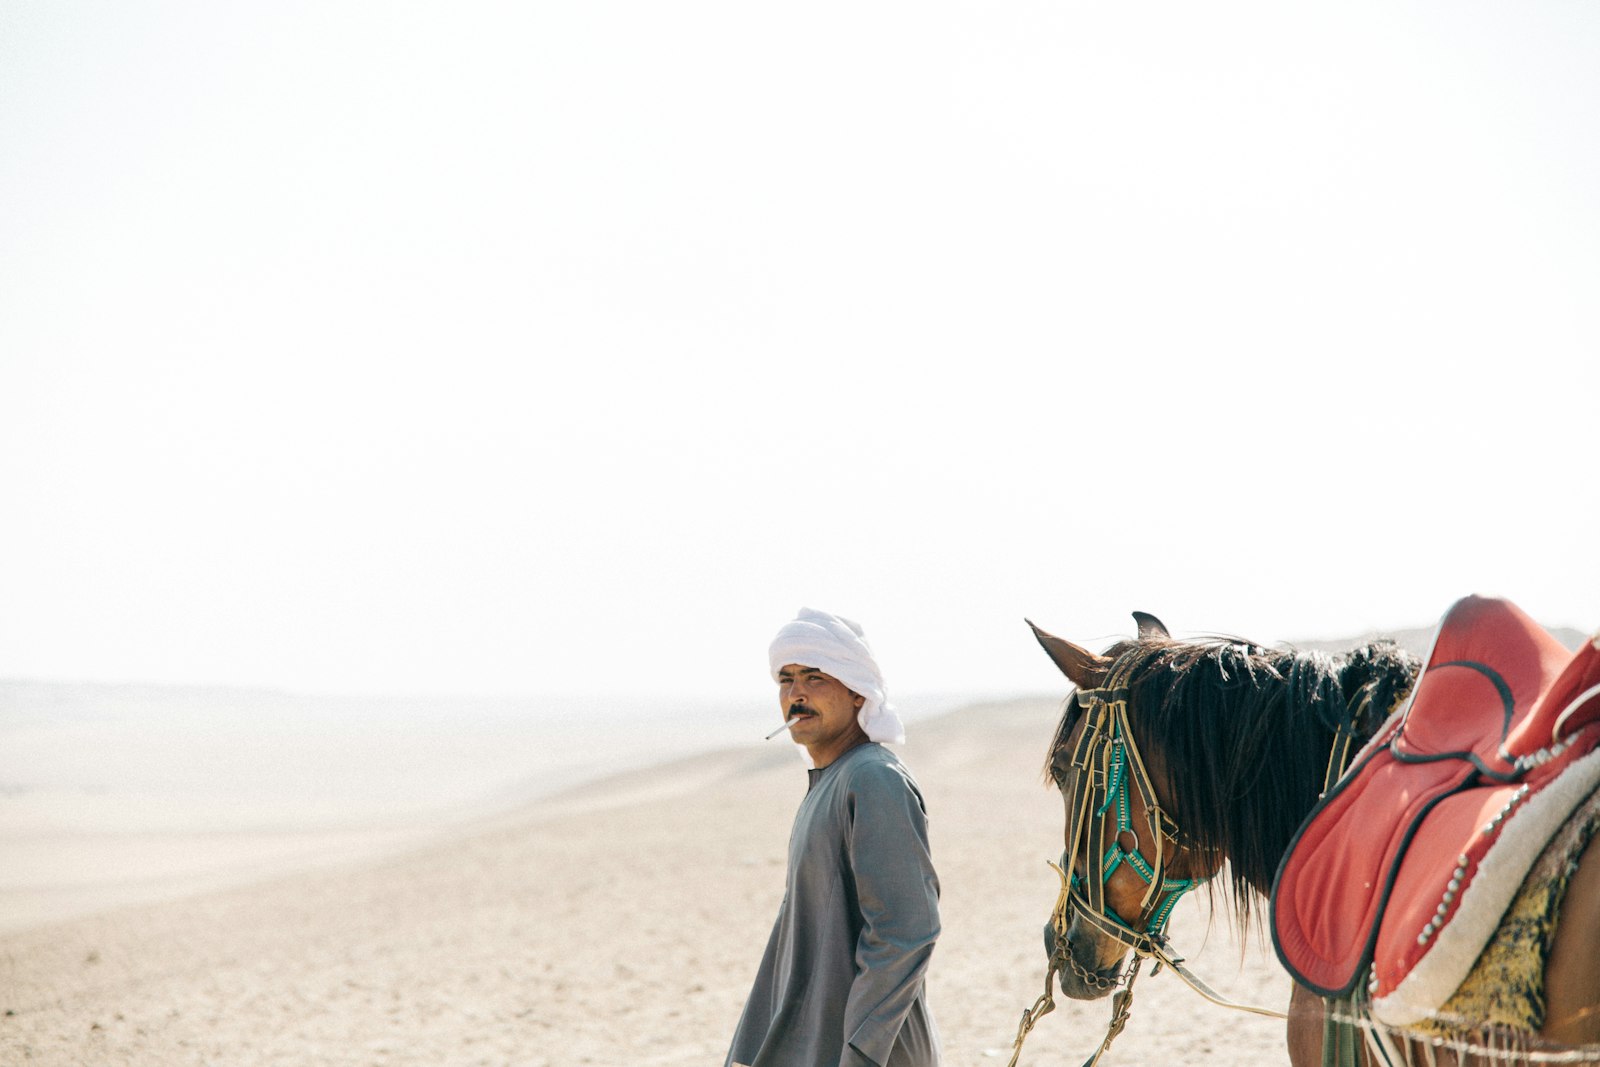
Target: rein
x,y
1105,764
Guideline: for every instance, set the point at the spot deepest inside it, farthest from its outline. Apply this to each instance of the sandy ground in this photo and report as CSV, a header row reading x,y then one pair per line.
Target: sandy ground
x,y
616,924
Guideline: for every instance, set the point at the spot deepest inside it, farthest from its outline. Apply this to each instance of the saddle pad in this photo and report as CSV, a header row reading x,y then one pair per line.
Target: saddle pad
x,y
1410,860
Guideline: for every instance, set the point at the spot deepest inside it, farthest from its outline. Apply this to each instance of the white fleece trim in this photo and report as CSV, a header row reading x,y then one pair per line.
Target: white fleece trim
x,y
1522,836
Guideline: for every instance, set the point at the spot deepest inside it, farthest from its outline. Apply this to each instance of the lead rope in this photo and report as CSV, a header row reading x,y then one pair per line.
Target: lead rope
x,y
1047,1002
1121,1001
1031,1016
1121,1008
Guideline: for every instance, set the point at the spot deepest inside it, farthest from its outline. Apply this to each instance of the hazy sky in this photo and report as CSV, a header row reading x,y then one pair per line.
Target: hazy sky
x,y
573,346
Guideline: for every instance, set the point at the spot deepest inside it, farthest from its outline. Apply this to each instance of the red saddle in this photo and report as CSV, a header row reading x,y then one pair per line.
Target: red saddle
x,y
1410,861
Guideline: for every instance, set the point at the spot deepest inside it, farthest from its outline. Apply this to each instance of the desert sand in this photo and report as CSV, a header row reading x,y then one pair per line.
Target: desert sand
x,y
616,923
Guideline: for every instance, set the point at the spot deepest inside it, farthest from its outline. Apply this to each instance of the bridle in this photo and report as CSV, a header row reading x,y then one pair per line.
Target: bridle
x,y
1105,767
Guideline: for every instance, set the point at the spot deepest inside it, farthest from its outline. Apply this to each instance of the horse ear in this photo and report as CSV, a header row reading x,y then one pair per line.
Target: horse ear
x,y
1150,627
1084,668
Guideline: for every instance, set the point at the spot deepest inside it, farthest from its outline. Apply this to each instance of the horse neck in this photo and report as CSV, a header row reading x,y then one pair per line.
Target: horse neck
x,y
1260,775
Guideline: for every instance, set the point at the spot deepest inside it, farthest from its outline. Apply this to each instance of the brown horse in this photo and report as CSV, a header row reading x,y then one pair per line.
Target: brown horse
x,y
1174,758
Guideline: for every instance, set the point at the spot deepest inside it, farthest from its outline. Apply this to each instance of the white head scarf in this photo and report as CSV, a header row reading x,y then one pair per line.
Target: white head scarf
x,y
837,646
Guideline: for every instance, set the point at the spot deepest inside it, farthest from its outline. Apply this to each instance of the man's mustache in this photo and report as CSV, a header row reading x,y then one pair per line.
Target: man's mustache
x,y
795,714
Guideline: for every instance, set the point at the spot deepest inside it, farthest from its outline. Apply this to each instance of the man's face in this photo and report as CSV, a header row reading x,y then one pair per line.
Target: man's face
x,y
825,708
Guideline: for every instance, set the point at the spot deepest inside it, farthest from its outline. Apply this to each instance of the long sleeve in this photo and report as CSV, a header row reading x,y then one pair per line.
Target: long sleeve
x,y
897,893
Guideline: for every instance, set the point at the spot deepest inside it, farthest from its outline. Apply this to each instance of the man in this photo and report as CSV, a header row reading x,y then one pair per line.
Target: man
x,y
841,983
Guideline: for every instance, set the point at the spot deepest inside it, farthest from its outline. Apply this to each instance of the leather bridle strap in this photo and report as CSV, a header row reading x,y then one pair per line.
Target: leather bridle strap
x,y
1090,759
1106,763
1343,737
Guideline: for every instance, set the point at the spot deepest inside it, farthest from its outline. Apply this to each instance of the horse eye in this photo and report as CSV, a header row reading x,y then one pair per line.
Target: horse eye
x,y
1058,769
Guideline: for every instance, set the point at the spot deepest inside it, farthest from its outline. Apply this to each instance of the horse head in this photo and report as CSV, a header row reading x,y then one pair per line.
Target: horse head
x,y
1125,862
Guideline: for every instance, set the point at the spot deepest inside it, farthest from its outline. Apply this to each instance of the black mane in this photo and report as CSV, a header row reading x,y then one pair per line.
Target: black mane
x,y
1238,738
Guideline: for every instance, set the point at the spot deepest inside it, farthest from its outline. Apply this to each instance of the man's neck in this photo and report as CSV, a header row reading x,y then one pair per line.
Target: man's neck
x,y
823,755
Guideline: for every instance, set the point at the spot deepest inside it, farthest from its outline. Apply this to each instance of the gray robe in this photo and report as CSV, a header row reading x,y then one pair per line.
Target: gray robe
x,y
841,982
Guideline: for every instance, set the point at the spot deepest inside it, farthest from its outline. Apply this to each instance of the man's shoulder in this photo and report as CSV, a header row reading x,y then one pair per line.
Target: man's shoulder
x,y
873,767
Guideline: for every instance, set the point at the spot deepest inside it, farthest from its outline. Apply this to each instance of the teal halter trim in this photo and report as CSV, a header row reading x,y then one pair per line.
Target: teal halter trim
x,y
1168,893
1171,889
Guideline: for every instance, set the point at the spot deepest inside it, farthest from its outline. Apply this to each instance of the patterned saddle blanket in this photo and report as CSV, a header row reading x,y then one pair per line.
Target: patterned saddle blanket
x,y
1410,860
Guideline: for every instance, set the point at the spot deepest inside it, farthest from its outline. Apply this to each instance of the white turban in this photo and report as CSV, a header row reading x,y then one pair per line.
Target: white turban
x,y
835,645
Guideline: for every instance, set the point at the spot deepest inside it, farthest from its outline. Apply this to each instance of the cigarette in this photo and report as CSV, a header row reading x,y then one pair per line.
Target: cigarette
x,y
782,728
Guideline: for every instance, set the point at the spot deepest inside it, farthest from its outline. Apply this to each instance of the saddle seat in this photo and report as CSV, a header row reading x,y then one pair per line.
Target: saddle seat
x,y
1410,860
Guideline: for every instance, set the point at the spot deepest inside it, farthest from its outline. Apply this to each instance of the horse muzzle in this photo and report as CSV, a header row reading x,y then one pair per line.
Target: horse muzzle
x,y
1080,974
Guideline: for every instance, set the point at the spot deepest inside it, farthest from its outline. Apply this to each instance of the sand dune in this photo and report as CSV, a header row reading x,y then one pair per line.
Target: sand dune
x,y
618,923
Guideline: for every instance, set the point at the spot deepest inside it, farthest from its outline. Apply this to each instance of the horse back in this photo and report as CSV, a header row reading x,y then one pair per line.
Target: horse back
x,y
1402,872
